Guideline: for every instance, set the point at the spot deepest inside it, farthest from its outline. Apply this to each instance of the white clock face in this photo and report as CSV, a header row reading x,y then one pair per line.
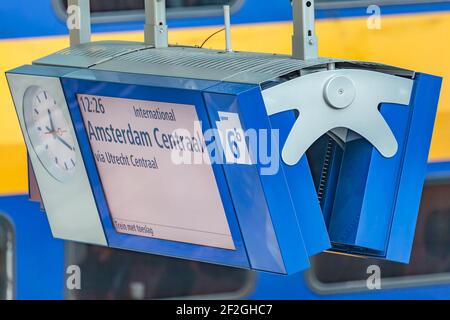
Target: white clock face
x,y
50,133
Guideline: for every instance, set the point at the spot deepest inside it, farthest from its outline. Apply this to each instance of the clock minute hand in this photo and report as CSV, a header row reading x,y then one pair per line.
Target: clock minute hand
x,y
64,142
51,120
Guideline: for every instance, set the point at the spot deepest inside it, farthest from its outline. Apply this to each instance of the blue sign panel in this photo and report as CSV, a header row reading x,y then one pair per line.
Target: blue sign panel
x,y
196,169
265,228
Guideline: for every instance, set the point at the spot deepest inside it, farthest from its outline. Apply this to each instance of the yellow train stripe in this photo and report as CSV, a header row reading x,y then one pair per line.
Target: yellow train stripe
x,y
415,41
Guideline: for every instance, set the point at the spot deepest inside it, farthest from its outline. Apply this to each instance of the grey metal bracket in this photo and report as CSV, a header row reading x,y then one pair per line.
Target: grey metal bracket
x,y
338,100
304,40
80,28
155,30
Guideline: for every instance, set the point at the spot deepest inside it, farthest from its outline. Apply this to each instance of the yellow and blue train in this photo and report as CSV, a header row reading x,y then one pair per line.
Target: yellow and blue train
x,y
33,265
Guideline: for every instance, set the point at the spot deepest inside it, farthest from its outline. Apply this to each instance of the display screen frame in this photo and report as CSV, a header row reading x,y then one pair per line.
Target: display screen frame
x,y
164,90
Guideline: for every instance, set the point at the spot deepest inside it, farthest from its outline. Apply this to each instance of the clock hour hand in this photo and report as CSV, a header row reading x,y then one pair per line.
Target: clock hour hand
x,y
51,131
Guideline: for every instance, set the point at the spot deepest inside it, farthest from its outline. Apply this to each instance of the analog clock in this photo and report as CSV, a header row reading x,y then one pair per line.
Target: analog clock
x,y
49,133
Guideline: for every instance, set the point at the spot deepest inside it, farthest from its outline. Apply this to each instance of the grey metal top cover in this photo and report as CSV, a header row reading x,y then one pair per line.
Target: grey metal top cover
x,y
89,54
195,63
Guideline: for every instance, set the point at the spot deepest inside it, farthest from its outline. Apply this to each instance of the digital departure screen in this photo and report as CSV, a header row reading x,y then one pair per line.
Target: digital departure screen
x,y
137,145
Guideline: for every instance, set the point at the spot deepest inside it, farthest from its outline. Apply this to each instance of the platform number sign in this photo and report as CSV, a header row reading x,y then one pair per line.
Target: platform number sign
x,y
232,138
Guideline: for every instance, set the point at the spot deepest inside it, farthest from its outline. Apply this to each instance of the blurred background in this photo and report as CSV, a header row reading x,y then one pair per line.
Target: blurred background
x,y
411,34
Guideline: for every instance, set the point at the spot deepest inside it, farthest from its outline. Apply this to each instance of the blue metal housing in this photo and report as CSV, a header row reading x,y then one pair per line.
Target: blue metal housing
x,y
276,220
377,199
260,209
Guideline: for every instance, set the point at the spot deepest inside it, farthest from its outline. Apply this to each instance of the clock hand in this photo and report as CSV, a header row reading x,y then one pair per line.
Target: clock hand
x,y
50,131
58,132
64,142
57,136
51,120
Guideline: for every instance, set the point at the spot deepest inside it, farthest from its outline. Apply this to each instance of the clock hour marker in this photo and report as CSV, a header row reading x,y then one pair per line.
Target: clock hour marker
x,y
37,97
56,159
45,95
65,165
35,111
73,162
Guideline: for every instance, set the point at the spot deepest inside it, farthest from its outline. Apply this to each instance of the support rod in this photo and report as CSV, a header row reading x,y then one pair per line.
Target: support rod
x,y
304,40
227,18
155,29
79,21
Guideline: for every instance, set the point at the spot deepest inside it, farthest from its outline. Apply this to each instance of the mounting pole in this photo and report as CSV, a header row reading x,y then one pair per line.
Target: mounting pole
x,y
227,19
155,24
304,40
79,21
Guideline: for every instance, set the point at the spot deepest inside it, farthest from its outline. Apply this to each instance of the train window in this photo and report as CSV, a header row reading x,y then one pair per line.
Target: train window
x,y
130,10
116,274
6,260
336,4
430,260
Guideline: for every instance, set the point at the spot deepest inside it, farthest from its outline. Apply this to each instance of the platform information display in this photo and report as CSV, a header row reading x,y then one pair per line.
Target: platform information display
x,y
148,193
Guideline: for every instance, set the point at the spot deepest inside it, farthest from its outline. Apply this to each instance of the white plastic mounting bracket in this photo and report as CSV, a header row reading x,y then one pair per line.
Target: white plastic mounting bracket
x,y
338,100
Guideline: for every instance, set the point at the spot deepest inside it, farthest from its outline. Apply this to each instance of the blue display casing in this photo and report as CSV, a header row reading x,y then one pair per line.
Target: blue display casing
x,y
276,220
261,210
377,199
